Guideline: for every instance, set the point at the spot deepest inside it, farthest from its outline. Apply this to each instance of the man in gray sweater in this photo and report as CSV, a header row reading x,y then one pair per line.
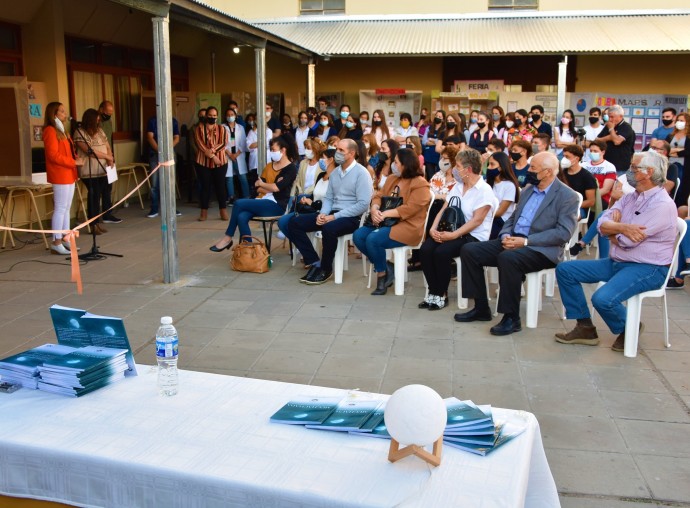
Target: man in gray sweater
x,y
348,197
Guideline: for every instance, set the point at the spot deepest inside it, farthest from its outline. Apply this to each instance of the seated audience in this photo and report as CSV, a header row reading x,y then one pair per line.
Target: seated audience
x,y
506,189
580,181
520,150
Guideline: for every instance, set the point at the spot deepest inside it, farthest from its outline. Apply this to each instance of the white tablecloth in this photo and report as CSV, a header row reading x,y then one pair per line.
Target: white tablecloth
x,y
212,445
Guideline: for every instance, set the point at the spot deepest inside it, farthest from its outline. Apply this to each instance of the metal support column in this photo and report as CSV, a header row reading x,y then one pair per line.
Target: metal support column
x,y
161,61
260,62
562,71
311,84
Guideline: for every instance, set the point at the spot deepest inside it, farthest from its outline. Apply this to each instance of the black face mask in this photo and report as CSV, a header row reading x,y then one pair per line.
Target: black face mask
x,y
481,125
536,118
518,122
422,117
376,122
593,119
105,117
515,156
383,157
210,120
532,178
202,119
450,125
667,122
438,121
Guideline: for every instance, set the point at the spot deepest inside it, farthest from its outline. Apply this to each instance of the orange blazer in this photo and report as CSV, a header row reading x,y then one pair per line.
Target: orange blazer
x,y
60,163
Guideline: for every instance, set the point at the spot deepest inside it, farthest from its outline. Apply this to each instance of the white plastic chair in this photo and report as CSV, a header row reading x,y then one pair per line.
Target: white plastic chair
x,y
340,262
634,311
675,189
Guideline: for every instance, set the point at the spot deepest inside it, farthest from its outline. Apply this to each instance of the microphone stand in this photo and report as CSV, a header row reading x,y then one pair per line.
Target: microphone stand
x,y
94,254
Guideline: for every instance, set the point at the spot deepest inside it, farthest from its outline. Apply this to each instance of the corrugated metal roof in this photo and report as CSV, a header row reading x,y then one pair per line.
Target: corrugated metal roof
x,y
489,34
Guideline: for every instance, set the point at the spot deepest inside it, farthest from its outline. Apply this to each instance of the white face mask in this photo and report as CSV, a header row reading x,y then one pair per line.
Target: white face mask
x,y
367,146
565,120
276,156
268,114
680,125
565,163
394,169
595,156
509,124
309,154
444,165
59,125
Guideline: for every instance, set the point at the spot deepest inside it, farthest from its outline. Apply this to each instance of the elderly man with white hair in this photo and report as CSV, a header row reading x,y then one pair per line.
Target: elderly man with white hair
x,y
642,229
619,137
533,239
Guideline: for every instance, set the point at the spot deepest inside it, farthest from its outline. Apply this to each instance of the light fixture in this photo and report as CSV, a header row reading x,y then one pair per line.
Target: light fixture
x,y
236,50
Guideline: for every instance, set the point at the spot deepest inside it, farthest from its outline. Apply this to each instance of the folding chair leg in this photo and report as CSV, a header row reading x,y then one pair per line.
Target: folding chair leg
x,y
632,326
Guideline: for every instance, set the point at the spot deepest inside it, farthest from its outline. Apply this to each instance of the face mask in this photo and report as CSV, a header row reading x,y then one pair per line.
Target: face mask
x,y
536,118
473,120
339,158
268,114
377,123
450,125
395,170
518,122
606,118
594,156
309,154
509,124
456,175
251,123
349,125
105,117
60,126
344,114
422,117
332,147
403,145
276,156
565,163
481,125
383,157
593,119
404,124
667,121
515,156
438,121
230,119
565,121
367,146
211,120
444,165
310,117
324,123
680,125
303,122
630,177
322,164
535,148
532,178
363,121
202,119
496,117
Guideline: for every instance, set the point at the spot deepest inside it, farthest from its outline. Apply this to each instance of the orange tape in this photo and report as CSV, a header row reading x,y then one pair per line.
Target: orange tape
x,y
71,235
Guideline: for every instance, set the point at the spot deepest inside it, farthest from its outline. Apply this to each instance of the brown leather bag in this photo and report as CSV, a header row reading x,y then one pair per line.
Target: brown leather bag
x,y
250,256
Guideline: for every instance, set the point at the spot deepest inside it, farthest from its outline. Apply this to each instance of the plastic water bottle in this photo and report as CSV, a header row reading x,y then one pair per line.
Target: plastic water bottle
x,y
166,354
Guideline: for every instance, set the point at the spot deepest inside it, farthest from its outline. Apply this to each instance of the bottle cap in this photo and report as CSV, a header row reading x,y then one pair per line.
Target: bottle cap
x,y
166,320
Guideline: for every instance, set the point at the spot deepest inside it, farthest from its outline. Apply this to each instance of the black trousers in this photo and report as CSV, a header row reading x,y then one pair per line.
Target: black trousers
x,y
300,225
435,208
436,260
512,267
213,177
95,188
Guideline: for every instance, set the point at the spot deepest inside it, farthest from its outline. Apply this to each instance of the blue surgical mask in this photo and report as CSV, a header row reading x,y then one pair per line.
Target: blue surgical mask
x,y
322,164
473,120
339,158
456,174
594,156
496,118
230,119
344,114
605,118
630,177
324,123
349,125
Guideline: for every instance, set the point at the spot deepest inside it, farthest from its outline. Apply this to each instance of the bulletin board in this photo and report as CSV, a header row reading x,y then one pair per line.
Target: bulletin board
x,y
392,102
15,135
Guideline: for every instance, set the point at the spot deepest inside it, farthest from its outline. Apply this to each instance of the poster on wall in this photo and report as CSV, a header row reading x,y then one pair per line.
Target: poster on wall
x,y
478,89
392,102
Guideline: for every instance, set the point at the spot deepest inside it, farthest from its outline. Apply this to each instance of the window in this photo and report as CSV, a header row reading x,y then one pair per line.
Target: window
x,y
322,7
513,4
547,88
100,71
11,63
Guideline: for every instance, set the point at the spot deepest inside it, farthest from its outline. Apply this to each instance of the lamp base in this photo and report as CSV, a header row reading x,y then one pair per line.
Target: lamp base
x,y
395,453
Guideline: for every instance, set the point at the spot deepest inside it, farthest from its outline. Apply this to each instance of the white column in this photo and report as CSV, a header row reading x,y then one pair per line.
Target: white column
x,y
260,60
311,84
562,71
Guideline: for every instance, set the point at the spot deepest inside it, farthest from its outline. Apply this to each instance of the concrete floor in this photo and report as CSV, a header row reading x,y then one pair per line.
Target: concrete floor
x,y
616,430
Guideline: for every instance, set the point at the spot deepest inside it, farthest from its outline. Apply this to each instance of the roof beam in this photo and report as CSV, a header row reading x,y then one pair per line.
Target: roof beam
x,y
154,7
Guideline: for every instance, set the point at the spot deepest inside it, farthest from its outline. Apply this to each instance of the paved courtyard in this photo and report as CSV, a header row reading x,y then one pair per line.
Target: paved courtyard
x,y
616,429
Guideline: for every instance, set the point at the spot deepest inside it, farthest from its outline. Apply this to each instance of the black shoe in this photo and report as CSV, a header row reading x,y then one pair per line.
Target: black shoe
x,y
111,219
474,315
426,302
213,248
576,249
381,287
507,326
674,284
178,213
320,277
438,303
390,274
310,274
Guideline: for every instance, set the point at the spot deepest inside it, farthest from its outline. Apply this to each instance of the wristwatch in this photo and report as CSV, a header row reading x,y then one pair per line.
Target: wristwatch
x,y
526,242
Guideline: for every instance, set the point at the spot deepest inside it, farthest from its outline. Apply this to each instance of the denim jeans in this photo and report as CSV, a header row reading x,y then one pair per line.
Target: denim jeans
x,y
155,183
373,243
246,209
684,251
623,280
604,242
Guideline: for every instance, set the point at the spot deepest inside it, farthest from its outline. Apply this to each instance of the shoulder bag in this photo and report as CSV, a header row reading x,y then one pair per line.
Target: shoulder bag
x,y
250,255
387,203
452,218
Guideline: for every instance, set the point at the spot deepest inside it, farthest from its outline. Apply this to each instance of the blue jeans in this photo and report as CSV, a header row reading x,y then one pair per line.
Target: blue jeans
x,y
230,182
684,251
373,243
283,223
155,183
246,209
623,280
604,242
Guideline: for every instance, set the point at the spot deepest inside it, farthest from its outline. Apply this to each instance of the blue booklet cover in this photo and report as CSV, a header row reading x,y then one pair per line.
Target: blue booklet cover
x,y
379,431
306,410
351,414
374,420
509,431
85,360
463,413
476,439
78,328
23,367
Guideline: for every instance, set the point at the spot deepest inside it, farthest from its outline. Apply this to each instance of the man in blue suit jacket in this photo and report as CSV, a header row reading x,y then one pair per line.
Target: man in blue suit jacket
x,y
533,239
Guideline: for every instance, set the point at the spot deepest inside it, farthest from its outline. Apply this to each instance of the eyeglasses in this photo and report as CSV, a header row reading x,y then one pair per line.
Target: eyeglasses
x,y
636,169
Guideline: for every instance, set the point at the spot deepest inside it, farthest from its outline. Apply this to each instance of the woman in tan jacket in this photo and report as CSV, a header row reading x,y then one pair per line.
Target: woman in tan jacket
x,y
372,241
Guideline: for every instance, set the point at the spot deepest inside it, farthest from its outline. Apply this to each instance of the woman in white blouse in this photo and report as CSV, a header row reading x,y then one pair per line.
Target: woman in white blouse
x,y
406,129
301,132
506,189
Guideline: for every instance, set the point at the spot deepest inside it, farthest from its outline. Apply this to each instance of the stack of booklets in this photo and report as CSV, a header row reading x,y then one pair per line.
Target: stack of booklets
x,y
469,427
92,351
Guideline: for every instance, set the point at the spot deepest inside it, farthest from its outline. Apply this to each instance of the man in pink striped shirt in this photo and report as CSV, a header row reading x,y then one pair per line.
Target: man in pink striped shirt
x,y
642,229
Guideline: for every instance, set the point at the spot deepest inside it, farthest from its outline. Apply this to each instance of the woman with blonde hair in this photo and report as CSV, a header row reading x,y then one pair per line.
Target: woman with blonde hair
x,y
372,151
61,167
415,144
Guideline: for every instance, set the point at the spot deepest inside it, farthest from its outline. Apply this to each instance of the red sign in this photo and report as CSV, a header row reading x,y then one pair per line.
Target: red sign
x,y
390,91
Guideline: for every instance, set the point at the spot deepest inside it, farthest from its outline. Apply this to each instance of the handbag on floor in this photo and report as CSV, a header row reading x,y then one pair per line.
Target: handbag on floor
x,y
387,203
250,255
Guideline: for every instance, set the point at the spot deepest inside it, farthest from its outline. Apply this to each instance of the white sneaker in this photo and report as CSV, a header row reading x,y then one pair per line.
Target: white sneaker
x,y
58,250
280,235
